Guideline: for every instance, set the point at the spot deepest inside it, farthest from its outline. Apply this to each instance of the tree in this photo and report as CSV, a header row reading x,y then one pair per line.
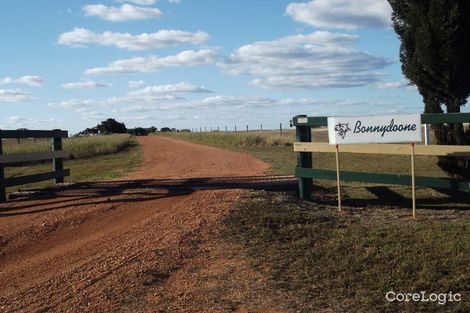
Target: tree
x,y
111,126
138,131
435,56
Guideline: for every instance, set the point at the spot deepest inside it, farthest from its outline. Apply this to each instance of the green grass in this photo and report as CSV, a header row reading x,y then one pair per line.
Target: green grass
x,y
78,147
347,263
236,140
95,158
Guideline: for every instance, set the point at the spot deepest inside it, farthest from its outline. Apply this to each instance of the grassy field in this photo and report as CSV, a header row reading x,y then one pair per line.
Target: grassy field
x,y
331,262
92,158
78,147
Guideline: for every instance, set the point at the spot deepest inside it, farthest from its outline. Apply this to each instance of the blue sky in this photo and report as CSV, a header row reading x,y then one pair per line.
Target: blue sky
x,y
191,64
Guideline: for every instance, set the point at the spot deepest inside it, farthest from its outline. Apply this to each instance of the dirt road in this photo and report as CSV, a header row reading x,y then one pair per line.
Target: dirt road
x,y
140,251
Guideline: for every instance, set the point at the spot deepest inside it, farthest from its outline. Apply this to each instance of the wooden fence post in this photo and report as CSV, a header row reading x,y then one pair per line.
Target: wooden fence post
x,y
57,163
280,129
304,160
3,194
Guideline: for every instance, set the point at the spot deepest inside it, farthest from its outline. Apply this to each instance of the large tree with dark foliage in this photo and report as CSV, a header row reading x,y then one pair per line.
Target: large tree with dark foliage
x,y
435,56
111,126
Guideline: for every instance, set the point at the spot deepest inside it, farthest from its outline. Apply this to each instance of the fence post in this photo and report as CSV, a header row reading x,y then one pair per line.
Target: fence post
x,y
235,128
304,160
3,194
427,135
57,163
280,129
246,128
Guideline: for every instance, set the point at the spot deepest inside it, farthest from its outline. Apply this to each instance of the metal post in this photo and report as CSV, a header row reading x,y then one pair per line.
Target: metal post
x,y
246,128
57,164
280,129
427,135
3,194
261,127
225,128
304,160
217,128
235,128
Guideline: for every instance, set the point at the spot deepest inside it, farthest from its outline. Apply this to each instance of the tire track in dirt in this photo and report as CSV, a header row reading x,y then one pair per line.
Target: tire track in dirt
x,y
109,254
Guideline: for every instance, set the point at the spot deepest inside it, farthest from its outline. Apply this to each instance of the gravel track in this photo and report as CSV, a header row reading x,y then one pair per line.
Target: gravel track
x,y
124,253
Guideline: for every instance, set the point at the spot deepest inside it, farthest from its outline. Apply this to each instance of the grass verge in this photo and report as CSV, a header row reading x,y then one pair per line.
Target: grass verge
x,y
330,262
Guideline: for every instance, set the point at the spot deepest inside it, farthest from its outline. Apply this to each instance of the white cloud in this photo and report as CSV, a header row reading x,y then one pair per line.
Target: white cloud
x,y
85,84
91,115
155,63
138,2
73,103
392,85
174,1
135,83
125,12
15,121
149,96
232,102
158,94
316,60
239,107
80,37
30,80
181,87
14,95
343,14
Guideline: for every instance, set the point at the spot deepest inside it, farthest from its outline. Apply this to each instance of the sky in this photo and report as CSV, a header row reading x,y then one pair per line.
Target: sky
x,y
197,63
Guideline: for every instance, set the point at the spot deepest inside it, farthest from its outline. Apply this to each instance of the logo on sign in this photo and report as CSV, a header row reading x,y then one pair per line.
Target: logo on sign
x,y
342,129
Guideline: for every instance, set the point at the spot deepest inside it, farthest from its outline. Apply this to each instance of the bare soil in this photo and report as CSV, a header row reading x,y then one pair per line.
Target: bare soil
x,y
140,251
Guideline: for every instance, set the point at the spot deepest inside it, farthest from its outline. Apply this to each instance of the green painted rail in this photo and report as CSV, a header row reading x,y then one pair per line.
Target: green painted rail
x,y
380,178
57,155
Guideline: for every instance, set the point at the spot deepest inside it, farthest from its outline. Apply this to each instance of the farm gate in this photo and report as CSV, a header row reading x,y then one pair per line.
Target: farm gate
x,y
57,155
304,148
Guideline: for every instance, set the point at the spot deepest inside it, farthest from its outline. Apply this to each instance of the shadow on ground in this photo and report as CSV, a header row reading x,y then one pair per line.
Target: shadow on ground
x,y
127,191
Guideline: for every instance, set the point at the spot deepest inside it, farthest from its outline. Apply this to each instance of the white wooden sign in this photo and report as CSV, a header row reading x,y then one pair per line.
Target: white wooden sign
x,y
374,129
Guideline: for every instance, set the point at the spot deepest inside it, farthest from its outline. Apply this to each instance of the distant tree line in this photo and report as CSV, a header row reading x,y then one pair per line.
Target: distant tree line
x,y
111,126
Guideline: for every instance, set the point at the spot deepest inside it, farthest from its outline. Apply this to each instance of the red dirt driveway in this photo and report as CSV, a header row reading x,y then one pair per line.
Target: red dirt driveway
x,y
139,251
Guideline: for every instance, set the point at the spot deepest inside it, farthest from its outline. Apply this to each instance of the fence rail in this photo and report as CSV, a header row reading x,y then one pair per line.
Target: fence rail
x,y
304,148
57,155
397,149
